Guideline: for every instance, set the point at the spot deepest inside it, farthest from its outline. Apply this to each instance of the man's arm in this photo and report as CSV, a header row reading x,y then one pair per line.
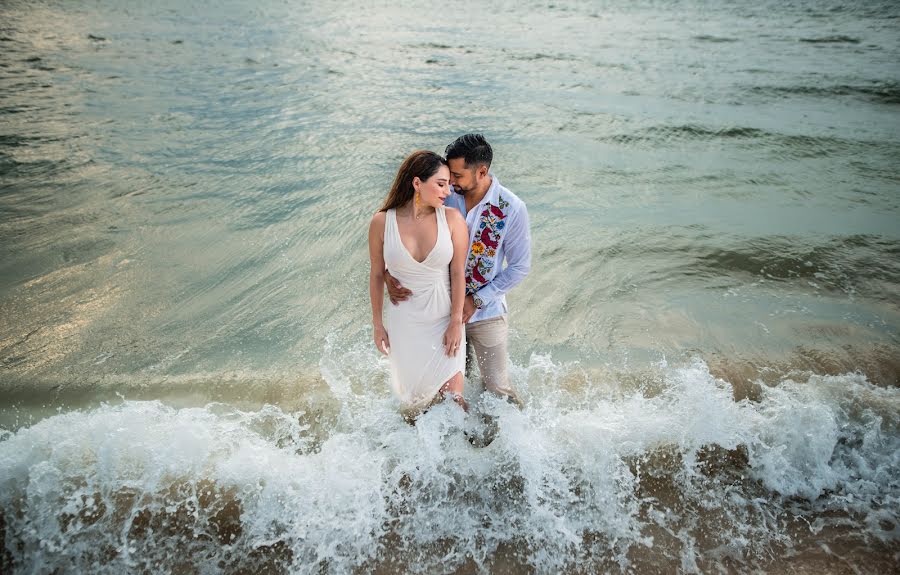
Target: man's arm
x,y
517,252
396,292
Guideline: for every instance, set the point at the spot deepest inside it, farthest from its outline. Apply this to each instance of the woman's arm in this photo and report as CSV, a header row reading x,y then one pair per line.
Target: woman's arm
x,y
460,235
376,280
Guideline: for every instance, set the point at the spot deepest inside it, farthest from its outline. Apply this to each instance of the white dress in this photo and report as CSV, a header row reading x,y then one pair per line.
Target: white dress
x,y
415,327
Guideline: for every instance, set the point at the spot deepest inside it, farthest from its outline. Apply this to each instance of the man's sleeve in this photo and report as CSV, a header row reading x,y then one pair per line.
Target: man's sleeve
x,y
453,201
517,252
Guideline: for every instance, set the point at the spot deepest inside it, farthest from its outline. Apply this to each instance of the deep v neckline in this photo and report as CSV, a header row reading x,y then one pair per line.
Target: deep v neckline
x,y
437,239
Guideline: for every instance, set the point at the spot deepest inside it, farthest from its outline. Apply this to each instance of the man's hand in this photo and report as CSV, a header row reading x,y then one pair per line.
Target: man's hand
x,y
468,308
396,292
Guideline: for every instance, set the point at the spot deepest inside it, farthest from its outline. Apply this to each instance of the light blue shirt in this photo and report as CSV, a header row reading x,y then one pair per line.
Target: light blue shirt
x,y
514,247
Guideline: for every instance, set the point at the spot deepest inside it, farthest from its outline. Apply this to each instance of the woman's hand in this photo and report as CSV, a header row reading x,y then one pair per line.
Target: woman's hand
x,y
453,338
381,340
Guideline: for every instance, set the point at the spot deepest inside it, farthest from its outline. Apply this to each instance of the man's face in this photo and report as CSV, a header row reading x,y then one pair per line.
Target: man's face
x,y
462,178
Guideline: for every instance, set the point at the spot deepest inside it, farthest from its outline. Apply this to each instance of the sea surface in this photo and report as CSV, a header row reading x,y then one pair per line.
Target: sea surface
x,y
707,343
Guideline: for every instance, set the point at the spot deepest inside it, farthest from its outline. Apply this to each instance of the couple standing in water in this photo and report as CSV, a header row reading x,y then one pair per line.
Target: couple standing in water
x,y
439,243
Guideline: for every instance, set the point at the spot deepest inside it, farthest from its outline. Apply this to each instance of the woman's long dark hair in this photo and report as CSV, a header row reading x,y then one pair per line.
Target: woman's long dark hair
x,y
420,164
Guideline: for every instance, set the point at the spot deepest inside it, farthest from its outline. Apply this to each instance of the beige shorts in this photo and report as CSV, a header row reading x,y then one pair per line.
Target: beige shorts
x,y
486,344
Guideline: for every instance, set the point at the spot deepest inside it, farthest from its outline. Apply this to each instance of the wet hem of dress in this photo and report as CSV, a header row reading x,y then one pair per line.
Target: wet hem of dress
x,y
414,410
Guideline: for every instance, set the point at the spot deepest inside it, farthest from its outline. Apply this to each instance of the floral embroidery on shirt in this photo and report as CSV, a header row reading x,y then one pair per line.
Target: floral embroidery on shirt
x,y
480,262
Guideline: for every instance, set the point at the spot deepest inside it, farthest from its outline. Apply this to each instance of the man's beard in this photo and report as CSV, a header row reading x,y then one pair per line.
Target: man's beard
x,y
459,190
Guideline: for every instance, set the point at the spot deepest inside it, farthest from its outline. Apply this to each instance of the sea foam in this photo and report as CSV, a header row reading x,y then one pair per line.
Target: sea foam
x,y
675,474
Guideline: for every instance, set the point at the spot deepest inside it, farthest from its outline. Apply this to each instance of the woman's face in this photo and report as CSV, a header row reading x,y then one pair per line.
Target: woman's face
x,y
435,189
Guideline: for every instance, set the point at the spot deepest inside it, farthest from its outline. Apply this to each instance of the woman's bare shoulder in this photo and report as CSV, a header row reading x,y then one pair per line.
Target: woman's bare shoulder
x,y
454,217
376,225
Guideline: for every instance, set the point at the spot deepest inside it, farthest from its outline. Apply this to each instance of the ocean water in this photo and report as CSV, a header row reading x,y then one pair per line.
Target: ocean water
x,y
707,343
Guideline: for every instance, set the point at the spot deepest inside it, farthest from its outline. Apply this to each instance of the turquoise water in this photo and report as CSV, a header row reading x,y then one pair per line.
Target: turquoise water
x,y
184,194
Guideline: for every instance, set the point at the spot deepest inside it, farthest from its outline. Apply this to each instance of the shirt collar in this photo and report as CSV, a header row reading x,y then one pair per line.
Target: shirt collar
x,y
491,195
493,192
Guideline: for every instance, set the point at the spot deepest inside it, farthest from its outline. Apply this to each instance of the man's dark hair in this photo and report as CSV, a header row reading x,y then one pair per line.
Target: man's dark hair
x,y
471,147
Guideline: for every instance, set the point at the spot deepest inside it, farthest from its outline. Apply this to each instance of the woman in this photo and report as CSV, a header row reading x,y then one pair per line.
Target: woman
x,y
424,245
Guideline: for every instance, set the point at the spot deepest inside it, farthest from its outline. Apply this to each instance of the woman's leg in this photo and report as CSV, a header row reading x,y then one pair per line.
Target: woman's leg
x,y
454,388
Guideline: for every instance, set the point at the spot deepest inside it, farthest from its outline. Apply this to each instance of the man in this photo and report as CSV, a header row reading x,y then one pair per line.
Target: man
x,y
498,231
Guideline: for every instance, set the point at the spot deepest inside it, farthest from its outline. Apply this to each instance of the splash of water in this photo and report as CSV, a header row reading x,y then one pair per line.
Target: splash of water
x,y
668,473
